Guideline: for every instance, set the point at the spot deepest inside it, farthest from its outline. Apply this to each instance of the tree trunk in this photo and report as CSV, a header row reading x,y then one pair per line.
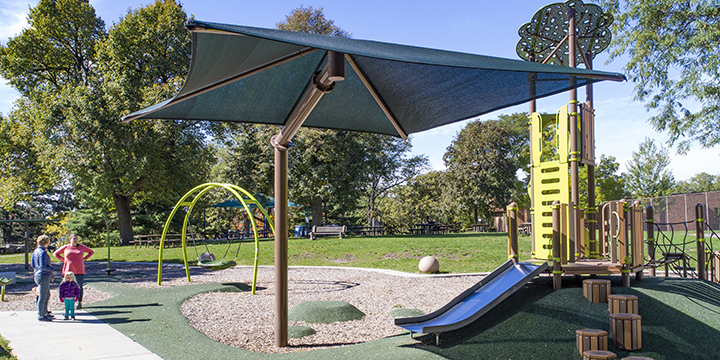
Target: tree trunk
x,y
316,211
122,204
371,209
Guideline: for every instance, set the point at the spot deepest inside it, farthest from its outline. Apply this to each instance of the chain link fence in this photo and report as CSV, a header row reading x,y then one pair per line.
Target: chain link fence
x,y
681,208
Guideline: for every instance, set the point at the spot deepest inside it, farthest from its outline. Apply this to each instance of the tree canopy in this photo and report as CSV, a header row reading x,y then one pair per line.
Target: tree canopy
x,y
673,48
648,175
78,80
481,168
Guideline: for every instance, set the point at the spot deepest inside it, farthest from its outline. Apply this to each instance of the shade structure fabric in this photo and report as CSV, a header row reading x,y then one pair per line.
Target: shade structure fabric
x,y
268,203
256,75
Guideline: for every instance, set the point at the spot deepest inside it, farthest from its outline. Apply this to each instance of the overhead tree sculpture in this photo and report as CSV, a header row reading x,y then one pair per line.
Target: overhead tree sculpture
x,y
565,34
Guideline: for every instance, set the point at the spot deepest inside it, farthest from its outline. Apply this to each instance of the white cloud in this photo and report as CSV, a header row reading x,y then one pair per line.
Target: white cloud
x,y
14,15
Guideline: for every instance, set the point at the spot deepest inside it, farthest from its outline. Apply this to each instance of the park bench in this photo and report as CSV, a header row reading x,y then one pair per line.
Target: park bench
x,y
328,230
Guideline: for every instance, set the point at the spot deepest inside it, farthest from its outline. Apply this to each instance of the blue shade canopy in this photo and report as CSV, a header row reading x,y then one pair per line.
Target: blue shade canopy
x,y
269,203
256,75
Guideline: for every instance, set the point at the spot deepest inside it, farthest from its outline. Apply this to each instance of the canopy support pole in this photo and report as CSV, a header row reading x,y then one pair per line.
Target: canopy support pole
x,y
323,82
574,157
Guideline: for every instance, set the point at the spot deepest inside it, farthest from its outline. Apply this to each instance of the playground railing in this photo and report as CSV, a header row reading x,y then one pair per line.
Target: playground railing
x,y
629,235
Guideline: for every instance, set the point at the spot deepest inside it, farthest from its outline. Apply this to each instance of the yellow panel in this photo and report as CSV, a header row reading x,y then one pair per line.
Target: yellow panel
x,y
551,180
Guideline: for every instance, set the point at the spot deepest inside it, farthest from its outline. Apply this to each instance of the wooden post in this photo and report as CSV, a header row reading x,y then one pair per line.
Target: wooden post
x,y
573,231
591,339
599,355
596,290
512,232
564,233
715,269
626,331
637,238
557,272
612,234
650,228
624,243
602,235
27,241
623,303
699,228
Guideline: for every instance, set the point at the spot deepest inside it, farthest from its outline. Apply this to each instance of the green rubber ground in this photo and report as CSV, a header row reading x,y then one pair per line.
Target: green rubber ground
x,y
325,312
680,320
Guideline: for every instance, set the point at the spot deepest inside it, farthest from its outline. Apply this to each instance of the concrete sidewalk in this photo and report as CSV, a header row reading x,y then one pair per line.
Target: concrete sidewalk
x,y
85,338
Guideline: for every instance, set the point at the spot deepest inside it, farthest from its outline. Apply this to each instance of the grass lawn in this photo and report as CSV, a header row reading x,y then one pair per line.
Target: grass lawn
x,y
457,253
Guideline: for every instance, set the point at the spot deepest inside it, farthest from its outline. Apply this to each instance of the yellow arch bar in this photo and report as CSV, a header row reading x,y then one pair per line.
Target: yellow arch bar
x,y
201,190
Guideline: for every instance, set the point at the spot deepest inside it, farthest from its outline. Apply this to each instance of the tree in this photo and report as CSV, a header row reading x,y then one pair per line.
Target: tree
x,y
21,167
481,169
698,183
647,174
385,167
79,82
247,161
673,47
309,20
57,50
323,163
609,185
520,140
421,198
326,169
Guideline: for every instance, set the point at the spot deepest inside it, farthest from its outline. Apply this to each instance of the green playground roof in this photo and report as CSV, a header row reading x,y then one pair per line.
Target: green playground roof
x,y
256,75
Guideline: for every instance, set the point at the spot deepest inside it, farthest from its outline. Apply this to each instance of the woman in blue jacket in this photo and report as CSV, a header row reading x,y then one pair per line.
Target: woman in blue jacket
x,y
43,275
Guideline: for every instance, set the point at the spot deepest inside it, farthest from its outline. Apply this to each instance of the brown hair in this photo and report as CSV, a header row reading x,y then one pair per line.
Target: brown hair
x,y
43,240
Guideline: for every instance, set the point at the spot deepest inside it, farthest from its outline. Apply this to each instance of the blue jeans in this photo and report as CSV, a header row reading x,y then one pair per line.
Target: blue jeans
x,y
69,307
43,283
79,280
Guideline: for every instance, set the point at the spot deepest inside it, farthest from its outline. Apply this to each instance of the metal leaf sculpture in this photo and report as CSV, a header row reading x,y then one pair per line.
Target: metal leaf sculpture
x,y
548,29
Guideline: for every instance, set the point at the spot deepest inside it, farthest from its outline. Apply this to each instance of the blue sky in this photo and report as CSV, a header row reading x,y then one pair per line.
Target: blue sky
x,y
479,27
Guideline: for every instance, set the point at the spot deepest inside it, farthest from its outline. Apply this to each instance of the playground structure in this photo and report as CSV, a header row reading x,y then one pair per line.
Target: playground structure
x,y
575,240
567,34
630,241
205,260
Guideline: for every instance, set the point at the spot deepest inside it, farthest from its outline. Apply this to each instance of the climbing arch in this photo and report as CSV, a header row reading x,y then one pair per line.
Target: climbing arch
x,y
190,199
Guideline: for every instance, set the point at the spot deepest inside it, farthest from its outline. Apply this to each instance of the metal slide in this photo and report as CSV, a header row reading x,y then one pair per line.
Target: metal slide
x,y
475,301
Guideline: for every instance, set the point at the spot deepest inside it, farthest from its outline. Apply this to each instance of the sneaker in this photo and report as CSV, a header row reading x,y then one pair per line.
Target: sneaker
x,y
79,305
50,315
45,318
66,318
73,318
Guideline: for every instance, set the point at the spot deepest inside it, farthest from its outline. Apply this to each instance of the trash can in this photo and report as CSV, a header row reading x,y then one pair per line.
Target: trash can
x,y
300,230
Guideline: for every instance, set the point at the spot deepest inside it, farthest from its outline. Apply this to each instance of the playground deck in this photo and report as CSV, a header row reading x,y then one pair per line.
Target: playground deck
x,y
597,267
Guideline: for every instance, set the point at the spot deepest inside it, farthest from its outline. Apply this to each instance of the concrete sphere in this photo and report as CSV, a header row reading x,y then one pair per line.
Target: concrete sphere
x,y
429,264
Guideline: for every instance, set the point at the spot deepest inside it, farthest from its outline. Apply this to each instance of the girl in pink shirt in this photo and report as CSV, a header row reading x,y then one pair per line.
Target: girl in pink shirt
x,y
73,256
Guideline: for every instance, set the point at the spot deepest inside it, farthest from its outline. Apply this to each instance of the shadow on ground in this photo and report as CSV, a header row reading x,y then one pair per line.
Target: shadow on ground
x,y
680,321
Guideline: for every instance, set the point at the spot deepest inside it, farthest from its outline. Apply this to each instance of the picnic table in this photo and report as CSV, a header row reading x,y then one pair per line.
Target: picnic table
x,y
430,229
480,227
154,240
525,228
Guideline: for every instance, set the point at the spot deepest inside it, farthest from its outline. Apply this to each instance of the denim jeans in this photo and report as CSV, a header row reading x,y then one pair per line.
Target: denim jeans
x,y
79,280
43,283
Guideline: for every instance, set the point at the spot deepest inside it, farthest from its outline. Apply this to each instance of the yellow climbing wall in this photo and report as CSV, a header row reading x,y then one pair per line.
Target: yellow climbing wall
x,y
550,175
